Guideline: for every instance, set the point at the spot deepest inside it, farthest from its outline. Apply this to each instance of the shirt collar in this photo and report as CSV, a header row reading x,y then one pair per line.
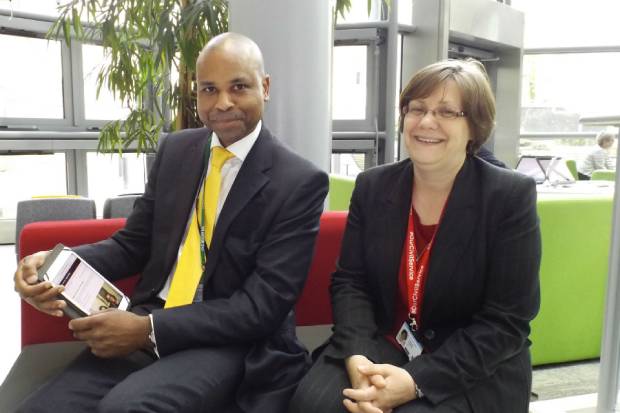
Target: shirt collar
x,y
242,147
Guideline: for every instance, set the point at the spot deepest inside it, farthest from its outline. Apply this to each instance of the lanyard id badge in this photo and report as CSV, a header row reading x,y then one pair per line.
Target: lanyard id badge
x,y
417,271
408,342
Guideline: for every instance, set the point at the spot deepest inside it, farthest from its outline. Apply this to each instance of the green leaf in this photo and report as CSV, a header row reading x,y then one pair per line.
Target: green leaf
x,y
66,27
77,25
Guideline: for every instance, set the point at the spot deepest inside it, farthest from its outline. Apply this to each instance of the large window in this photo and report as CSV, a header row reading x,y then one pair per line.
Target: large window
x,y
40,82
570,71
561,23
558,89
349,82
30,78
43,7
25,176
348,164
111,175
105,105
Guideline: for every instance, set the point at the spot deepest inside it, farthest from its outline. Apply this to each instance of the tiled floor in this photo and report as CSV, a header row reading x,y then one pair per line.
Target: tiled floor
x,y
567,388
576,404
557,388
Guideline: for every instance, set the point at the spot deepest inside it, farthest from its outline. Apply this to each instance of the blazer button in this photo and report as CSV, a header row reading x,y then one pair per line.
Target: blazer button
x,y
429,334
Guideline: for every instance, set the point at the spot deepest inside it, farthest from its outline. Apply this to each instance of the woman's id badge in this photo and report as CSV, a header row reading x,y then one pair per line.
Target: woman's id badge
x,y
408,342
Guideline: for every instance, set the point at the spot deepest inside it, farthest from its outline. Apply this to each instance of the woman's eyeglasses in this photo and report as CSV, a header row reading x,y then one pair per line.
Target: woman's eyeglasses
x,y
440,113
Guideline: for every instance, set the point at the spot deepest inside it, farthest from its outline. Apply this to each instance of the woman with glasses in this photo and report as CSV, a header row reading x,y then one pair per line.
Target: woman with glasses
x,y
437,279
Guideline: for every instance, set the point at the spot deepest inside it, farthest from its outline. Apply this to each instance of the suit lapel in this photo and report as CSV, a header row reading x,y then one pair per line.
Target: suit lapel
x,y
251,178
187,181
392,224
454,234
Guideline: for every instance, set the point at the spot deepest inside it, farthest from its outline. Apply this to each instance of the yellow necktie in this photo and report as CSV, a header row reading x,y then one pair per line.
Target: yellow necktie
x,y
189,265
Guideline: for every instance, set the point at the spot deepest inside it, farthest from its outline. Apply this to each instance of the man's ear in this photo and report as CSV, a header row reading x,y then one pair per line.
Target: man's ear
x,y
266,83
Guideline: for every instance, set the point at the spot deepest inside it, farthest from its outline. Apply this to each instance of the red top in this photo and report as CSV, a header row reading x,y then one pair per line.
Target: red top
x,y
423,235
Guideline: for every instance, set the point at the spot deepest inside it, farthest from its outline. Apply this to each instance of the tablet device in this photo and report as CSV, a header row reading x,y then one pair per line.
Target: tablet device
x,y
86,291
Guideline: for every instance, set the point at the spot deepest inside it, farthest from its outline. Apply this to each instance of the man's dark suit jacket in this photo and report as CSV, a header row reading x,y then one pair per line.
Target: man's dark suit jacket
x,y
481,292
259,258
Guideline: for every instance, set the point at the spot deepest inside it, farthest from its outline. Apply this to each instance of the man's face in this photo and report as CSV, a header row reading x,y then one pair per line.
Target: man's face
x,y
231,93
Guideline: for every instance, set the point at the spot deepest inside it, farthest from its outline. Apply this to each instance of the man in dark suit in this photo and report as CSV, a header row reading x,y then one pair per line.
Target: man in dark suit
x,y
233,346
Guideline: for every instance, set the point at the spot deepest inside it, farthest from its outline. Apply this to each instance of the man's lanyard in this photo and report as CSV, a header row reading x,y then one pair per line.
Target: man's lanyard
x,y
204,248
417,271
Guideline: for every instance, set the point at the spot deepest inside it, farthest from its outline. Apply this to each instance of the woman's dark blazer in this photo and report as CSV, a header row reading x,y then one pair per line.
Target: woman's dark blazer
x,y
481,292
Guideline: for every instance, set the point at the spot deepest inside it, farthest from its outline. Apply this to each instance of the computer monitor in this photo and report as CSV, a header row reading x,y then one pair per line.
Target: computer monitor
x,y
534,166
545,168
558,173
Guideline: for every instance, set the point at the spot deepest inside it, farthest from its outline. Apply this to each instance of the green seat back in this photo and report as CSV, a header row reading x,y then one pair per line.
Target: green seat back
x,y
340,191
573,275
603,175
571,164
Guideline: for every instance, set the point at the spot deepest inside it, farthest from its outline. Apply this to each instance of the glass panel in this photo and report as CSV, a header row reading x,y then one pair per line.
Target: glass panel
x,y
554,23
104,107
348,164
44,7
112,175
26,90
568,148
359,12
559,89
25,176
349,82
405,11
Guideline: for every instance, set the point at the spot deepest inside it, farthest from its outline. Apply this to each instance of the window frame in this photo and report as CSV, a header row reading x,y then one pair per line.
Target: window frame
x,y
74,120
534,135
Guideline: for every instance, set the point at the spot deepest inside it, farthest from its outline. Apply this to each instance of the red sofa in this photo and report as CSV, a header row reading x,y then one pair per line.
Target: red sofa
x,y
313,308
47,345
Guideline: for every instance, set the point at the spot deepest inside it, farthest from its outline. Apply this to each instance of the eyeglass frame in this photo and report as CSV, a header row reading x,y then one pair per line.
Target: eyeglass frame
x,y
436,114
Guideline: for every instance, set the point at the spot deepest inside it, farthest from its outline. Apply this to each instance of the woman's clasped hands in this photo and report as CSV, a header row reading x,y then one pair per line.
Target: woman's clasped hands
x,y
376,388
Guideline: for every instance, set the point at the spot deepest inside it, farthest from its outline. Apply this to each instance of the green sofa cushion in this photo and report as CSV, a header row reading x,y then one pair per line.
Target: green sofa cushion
x,y
340,191
603,175
573,275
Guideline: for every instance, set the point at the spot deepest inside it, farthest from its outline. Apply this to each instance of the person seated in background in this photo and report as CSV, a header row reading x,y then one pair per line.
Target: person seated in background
x,y
222,238
452,259
599,158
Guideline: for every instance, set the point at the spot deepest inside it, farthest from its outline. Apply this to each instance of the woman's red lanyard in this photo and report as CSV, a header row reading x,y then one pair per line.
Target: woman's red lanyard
x,y
417,270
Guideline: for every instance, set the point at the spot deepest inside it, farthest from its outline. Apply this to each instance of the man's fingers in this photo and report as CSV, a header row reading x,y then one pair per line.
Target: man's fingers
x,y
87,323
51,305
27,291
49,294
31,263
26,272
53,308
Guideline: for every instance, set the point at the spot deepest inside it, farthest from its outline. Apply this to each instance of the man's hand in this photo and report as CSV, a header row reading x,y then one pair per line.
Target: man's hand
x,y
396,388
113,333
362,382
41,295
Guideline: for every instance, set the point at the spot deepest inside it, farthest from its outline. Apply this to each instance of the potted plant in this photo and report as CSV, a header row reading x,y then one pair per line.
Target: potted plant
x,y
148,43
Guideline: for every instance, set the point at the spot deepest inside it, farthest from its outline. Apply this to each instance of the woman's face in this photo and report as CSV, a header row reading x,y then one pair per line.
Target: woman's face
x,y
434,137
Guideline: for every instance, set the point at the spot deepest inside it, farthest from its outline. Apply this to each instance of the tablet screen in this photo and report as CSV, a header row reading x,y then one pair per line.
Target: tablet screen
x,y
84,286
